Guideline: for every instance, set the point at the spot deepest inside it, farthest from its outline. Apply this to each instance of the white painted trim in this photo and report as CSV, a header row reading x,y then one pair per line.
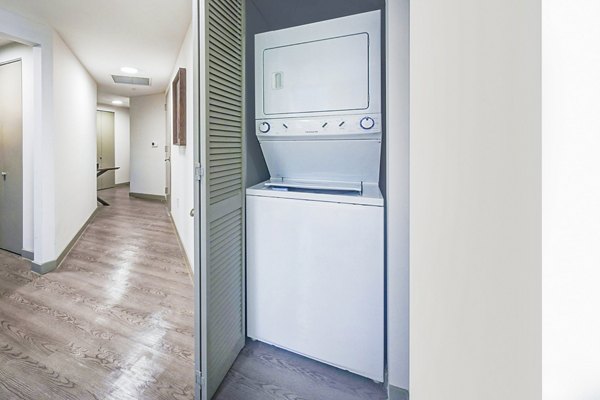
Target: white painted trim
x,y
397,195
198,60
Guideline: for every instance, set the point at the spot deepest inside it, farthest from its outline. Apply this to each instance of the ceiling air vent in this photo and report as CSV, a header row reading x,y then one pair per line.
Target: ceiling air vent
x,y
131,80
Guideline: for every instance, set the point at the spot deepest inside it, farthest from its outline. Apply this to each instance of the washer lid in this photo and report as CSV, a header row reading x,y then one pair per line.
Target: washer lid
x,y
327,186
371,195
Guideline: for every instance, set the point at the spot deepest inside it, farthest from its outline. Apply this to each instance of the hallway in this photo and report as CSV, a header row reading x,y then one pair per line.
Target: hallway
x,y
114,321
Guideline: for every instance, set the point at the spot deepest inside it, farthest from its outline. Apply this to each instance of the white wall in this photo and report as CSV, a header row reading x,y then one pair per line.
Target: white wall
x,y
122,141
475,200
571,199
182,157
397,102
75,95
147,166
8,53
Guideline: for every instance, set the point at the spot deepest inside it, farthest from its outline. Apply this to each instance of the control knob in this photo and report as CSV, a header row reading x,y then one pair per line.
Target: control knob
x,y
264,127
367,123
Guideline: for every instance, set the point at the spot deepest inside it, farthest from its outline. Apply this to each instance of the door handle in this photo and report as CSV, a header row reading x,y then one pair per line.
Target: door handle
x,y
4,175
192,212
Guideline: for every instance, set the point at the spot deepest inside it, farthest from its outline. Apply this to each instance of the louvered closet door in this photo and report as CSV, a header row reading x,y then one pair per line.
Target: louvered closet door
x,y
222,221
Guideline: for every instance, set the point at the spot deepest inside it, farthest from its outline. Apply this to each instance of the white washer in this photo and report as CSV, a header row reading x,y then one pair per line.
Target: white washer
x,y
315,244
315,281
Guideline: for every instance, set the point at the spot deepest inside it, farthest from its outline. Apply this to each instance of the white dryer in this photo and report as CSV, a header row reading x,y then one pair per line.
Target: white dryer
x,y
315,234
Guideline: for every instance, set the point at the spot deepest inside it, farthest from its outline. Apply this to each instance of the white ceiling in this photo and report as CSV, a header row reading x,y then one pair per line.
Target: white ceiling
x,y
108,34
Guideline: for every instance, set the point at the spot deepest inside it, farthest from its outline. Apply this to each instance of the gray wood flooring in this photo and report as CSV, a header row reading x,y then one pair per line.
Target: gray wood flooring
x,y
115,321
263,372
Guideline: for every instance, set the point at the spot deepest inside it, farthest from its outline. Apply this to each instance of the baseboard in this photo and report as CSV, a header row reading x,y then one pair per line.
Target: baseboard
x,y
43,268
52,265
185,256
395,393
122,184
27,254
144,196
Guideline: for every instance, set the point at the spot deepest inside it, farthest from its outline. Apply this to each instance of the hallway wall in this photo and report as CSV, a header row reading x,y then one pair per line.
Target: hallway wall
x,y
571,196
122,141
182,157
75,94
9,53
475,200
148,124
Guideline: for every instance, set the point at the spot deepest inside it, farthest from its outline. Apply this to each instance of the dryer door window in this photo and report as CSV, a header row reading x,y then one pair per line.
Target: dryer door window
x,y
319,76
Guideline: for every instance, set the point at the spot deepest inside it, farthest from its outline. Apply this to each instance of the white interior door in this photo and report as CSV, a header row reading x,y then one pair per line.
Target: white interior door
x,y
105,140
11,157
221,305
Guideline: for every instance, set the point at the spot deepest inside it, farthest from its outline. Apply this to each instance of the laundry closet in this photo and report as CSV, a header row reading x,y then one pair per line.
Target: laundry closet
x,y
315,180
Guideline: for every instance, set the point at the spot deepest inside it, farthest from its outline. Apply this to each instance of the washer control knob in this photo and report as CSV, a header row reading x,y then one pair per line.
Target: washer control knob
x,y
367,123
264,127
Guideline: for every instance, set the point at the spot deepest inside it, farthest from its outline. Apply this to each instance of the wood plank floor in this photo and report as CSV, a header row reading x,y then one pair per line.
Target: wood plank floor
x,y
264,372
114,321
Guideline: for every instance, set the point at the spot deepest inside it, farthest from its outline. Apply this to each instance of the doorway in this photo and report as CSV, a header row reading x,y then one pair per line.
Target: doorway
x,y
105,125
11,157
226,100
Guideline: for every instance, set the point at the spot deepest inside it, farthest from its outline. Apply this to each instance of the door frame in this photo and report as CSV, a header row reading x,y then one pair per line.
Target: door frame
x,y
199,69
42,227
397,96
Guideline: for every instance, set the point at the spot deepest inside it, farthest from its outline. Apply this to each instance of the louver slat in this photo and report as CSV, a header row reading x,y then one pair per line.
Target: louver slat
x,y
226,97
222,159
233,34
225,108
224,49
225,119
226,73
231,11
217,55
228,38
215,169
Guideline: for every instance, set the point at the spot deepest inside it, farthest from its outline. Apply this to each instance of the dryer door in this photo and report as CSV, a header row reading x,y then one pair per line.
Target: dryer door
x,y
317,76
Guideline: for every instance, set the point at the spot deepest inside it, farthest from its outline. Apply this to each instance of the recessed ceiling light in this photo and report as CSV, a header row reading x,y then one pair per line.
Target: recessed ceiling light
x,y
129,70
117,102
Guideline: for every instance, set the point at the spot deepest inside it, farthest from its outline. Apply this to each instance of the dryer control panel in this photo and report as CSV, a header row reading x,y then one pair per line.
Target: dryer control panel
x,y
335,125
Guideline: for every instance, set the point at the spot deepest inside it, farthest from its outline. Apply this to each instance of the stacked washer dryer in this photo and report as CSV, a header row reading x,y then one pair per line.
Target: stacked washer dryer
x,y
315,230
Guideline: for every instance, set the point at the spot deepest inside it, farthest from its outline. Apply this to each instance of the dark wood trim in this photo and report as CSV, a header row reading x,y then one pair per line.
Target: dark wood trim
x,y
179,108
